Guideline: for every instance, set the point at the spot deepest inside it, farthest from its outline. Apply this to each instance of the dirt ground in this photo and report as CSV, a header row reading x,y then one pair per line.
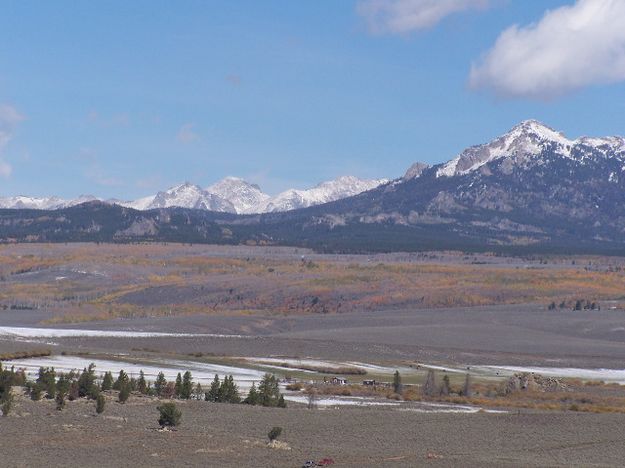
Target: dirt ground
x,y
221,435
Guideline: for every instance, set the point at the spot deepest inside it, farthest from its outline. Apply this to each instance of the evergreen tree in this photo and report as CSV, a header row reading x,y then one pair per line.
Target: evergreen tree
x,y
214,392
429,388
178,386
122,381
99,404
466,391
229,392
160,383
187,386
281,402
142,385
274,433
6,401
198,391
169,415
63,385
268,391
445,386
124,393
107,381
47,379
86,383
252,396
397,386
35,392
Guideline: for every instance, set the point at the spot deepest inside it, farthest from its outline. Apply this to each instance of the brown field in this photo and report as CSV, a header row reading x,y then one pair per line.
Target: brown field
x,y
90,282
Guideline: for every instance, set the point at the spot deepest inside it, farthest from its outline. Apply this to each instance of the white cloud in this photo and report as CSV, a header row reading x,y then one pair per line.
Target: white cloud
x,y
9,118
569,48
186,134
5,169
404,16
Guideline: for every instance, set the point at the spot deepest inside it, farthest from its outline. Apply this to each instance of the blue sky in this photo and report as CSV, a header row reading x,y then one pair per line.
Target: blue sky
x,y
122,99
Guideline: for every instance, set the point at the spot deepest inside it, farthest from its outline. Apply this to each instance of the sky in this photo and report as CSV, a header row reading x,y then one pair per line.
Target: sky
x,y
123,99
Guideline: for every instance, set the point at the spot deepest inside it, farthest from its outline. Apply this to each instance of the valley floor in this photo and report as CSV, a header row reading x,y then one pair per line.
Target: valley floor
x,y
222,435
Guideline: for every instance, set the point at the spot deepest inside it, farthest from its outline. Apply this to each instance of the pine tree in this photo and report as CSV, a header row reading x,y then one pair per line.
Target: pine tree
x,y
466,391
47,379
397,386
445,386
252,396
35,392
6,401
228,391
122,381
142,385
178,386
187,386
124,393
268,391
107,381
159,384
86,383
169,415
429,388
214,392
99,404
198,391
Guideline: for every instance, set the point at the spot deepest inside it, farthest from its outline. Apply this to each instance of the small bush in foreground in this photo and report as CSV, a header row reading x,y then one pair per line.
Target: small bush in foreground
x,y
274,433
99,404
169,415
124,393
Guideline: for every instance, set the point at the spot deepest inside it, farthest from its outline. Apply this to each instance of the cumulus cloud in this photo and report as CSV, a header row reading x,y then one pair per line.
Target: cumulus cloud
x,y
186,134
9,118
569,48
404,16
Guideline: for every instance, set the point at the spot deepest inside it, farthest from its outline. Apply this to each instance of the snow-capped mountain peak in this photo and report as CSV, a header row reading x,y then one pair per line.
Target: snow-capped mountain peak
x,y
236,195
185,195
342,187
246,197
528,139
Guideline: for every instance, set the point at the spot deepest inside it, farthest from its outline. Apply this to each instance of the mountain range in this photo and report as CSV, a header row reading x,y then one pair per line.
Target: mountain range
x,y
230,195
531,189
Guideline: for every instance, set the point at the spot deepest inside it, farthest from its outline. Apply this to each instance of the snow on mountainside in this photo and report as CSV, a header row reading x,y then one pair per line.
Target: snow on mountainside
x,y
235,195
325,192
246,198
185,195
525,144
229,195
42,203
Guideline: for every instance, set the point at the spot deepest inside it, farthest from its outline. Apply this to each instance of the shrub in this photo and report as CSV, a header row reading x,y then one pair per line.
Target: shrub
x,y
274,433
169,415
7,402
99,404
36,392
60,400
124,393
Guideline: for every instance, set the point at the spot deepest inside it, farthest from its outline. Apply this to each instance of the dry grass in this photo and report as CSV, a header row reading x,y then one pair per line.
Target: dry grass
x,y
210,284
